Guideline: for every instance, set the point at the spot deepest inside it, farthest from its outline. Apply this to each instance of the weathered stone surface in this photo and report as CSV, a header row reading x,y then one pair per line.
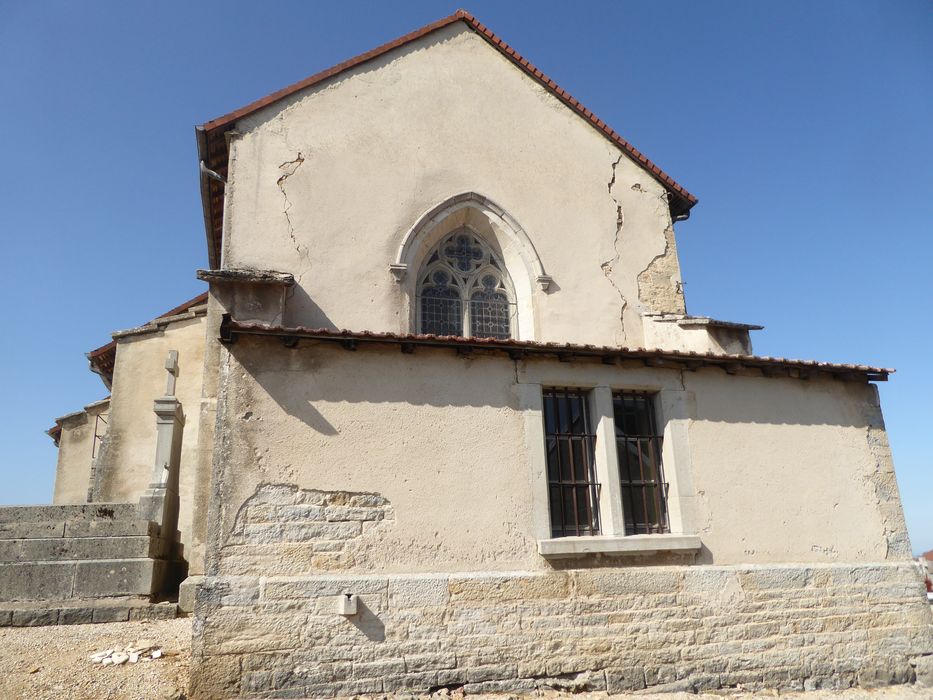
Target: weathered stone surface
x,y
36,581
12,531
315,586
923,670
111,614
65,549
95,579
621,680
75,616
111,528
819,626
158,611
35,618
418,591
63,513
187,594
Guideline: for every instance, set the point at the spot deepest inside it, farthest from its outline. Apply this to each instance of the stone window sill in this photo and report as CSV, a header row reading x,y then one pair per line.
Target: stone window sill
x,y
630,545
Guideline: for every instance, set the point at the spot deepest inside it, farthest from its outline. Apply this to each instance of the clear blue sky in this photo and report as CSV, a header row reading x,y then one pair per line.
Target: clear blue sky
x,y
805,128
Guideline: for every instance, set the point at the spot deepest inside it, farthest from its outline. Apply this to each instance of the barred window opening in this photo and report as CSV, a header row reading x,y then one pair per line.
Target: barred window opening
x,y
463,290
641,474
570,443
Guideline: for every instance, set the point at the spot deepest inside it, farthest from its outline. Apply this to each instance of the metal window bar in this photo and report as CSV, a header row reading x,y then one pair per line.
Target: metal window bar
x,y
641,474
570,443
100,429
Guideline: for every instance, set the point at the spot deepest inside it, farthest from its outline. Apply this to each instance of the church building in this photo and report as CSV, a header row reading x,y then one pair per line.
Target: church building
x,y
442,420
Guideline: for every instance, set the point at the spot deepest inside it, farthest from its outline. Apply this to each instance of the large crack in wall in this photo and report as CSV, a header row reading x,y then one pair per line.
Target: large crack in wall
x,y
289,168
609,265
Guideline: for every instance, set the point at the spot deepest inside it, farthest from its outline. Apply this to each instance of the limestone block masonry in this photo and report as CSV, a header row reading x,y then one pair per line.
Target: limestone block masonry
x,y
696,628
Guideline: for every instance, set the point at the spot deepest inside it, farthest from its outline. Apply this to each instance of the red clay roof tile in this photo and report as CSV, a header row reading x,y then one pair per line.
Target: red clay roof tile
x,y
230,328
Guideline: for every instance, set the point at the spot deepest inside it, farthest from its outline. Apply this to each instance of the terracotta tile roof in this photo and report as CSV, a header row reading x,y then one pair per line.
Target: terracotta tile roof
x,y
103,358
55,432
769,366
212,145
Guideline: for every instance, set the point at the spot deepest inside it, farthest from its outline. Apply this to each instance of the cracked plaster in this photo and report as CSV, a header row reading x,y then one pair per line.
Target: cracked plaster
x,y
373,177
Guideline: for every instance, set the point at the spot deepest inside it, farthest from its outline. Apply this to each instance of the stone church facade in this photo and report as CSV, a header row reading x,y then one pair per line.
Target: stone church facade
x,y
524,465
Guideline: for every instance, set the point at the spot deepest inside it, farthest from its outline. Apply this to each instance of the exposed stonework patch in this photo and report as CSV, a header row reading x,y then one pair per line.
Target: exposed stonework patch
x,y
281,522
608,265
615,630
659,286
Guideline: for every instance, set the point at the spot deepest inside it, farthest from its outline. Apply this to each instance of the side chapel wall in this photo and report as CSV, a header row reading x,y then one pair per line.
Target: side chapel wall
x,y
124,468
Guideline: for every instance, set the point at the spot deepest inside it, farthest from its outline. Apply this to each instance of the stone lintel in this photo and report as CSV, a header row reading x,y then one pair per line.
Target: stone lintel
x,y
247,276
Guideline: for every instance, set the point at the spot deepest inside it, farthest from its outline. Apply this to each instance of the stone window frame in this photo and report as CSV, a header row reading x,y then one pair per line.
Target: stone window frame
x,y
672,415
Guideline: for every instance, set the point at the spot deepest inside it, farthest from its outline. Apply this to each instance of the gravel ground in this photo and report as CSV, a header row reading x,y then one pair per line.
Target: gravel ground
x,y
51,663
39,663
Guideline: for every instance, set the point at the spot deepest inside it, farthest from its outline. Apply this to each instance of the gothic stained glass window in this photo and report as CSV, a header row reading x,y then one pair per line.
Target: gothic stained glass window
x,y
441,307
464,291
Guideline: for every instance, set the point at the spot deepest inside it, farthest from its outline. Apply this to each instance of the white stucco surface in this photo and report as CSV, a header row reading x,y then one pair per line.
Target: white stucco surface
x,y
765,470
128,456
327,183
75,449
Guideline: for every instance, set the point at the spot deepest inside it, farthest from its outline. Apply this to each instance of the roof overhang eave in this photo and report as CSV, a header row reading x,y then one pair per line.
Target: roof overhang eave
x,y
230,329
213,255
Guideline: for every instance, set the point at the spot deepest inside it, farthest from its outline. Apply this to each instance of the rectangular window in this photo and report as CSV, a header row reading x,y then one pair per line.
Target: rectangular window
x,y
570,442
641,476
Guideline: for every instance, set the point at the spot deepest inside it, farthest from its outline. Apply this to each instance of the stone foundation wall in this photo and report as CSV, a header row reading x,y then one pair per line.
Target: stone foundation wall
x,y
831,626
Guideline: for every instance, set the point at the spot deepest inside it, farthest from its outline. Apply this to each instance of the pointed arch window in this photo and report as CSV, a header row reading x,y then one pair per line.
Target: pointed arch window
x,y
464,290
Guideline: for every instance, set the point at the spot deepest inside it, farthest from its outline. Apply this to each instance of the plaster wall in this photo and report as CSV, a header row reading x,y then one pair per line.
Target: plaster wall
x,y
75,447
787,470
766,470
327,183
668,335
127,458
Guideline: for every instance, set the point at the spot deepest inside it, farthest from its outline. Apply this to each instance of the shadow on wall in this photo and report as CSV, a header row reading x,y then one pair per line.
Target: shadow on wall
x,y
721,398
299,305
297,379
367,622
302,378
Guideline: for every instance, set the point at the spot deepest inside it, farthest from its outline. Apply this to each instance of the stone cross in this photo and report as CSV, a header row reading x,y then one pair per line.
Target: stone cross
x,y
159,502
171,366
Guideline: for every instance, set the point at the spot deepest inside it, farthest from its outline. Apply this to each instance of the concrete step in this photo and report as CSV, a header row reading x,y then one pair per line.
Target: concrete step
x,y
111,528
77,528
83,611
64,580
72,548
68,513
18,531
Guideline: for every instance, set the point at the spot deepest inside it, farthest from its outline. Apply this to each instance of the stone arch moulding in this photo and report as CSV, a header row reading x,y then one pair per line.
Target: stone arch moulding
x,y
492,223
412,242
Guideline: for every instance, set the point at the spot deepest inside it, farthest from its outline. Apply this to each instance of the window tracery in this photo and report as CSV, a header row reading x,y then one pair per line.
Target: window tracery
x,y
463,290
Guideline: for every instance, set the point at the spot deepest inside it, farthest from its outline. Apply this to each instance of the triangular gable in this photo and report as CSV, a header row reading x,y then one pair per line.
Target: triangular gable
x,y
103,359
212,145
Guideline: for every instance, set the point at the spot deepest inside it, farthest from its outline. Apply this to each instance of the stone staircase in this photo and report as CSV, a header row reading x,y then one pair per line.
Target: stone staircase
x,y
95,562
